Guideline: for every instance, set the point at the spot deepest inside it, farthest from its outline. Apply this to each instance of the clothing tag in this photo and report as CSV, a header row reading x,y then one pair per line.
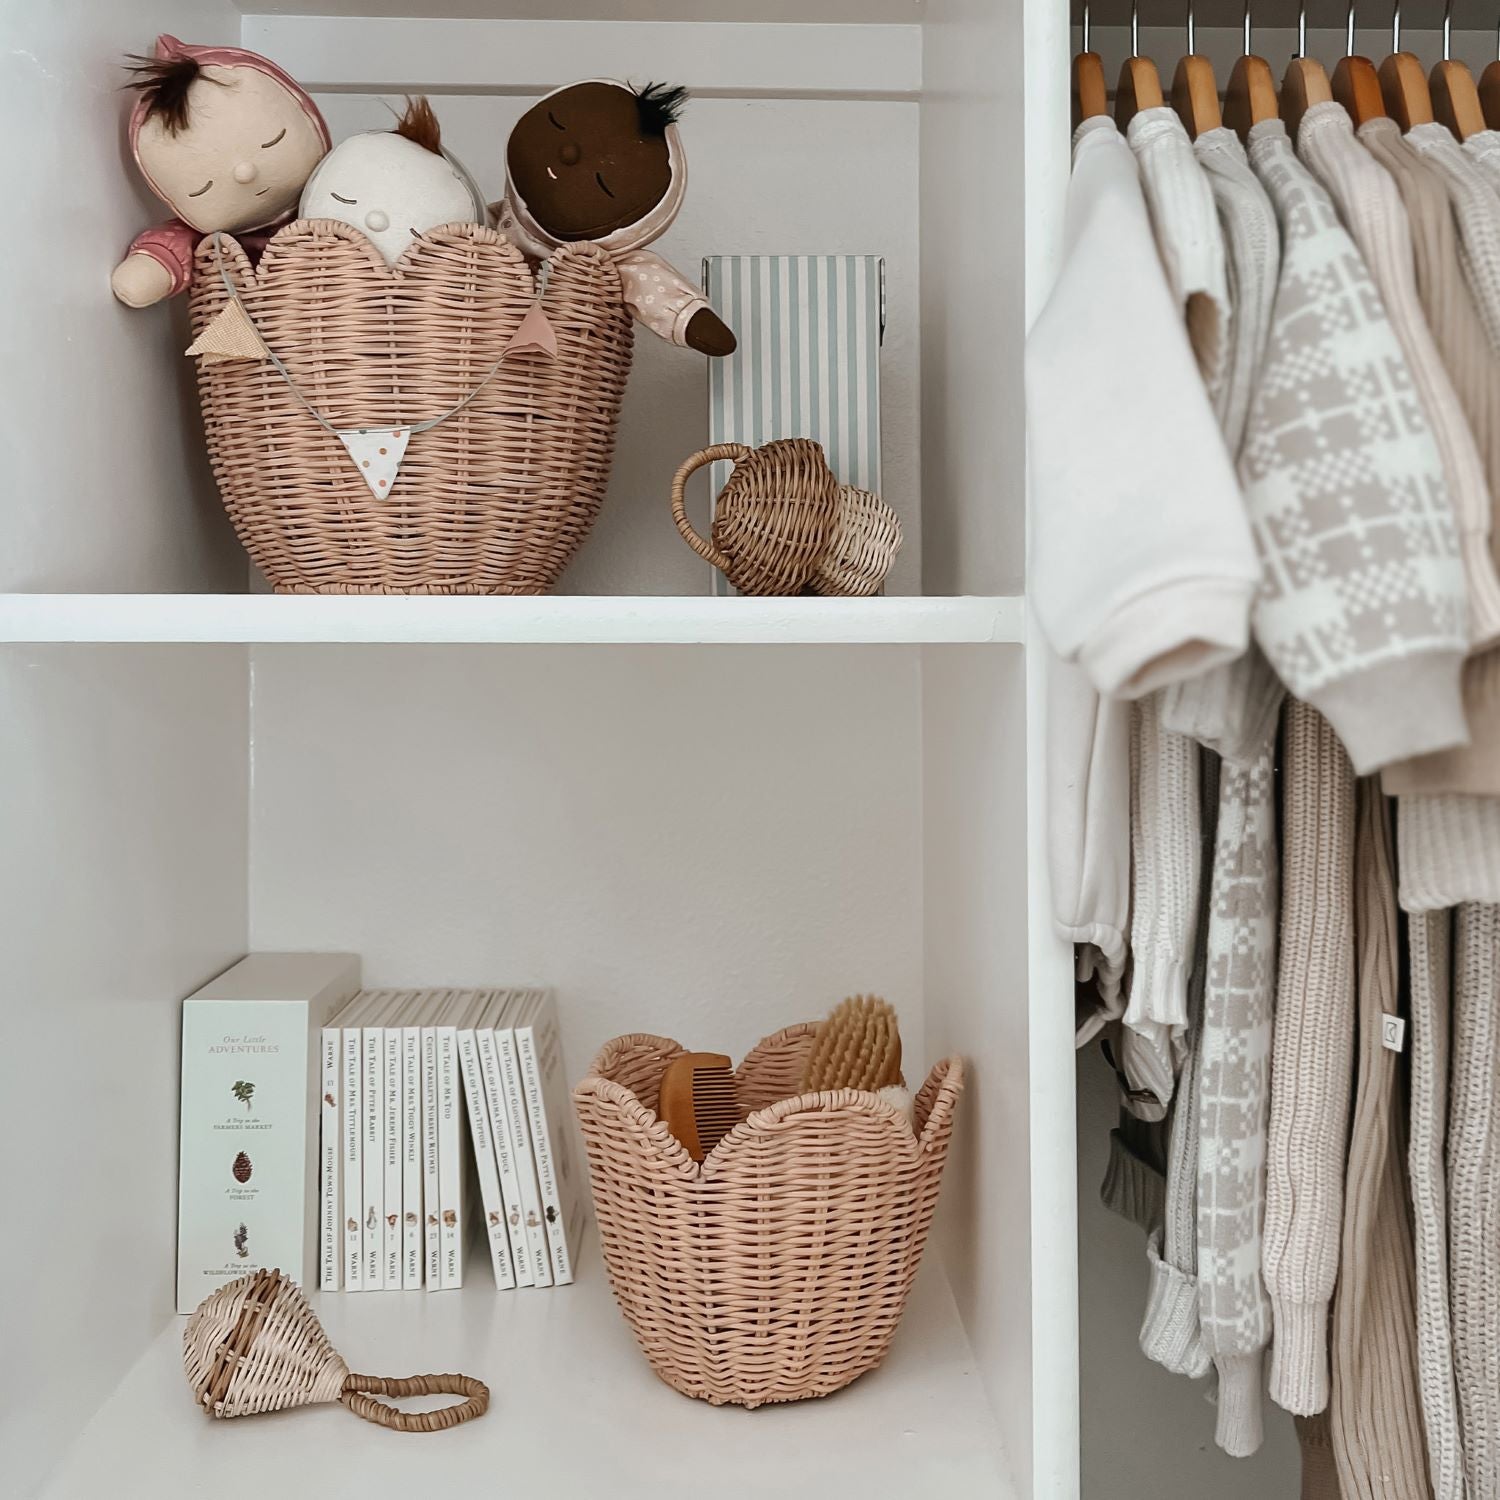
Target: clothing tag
x,y
377,451
1393,1033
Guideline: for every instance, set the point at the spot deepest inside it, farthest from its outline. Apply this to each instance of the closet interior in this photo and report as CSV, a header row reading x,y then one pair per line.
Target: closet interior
x,y
701,816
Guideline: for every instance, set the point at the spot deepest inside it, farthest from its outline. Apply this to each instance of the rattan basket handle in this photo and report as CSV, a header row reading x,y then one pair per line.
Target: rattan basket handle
x,y
711,455
360,1391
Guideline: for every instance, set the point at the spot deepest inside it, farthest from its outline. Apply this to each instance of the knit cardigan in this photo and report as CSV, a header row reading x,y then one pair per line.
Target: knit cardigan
x,y
1234,1088
1474,1193
1430,945
1311,1057
1370,206
1232,708
1363,604
1375,1410
1163,589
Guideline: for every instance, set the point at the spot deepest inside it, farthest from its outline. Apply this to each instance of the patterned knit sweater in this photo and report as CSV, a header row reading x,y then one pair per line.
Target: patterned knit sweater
x,y
1362,603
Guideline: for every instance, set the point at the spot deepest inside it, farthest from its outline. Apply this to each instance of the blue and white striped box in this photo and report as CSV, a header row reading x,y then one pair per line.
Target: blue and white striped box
x,y
808,363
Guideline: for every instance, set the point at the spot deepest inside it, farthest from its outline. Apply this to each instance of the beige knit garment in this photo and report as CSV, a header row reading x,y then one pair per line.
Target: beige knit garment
x,y
1471,770
1375,1412
1320,1475
1312,1056
1430,943
1449,851
1371,208
1474,1193
1484,151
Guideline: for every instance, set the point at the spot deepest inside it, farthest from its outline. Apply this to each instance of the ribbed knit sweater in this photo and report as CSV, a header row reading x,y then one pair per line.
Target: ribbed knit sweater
x,y
1375,1411
1370,206
1320,1474
1234,1090
1474,1192
1311,1057
1430,945
1450,851
1362,605
1483,149
1232,707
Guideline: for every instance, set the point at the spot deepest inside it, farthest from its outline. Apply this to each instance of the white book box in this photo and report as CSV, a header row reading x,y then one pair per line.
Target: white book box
x,y
704,817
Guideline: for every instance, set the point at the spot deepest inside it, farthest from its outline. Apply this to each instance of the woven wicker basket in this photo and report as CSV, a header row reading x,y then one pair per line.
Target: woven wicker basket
x,y
779,1268
494,500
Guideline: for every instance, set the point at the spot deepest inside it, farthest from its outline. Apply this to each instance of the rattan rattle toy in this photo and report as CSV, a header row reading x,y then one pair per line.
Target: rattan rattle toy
x,y
255,1345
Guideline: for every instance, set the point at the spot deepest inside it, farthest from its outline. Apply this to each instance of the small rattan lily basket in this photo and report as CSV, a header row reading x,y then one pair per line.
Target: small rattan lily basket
x,y
495,498
778,1268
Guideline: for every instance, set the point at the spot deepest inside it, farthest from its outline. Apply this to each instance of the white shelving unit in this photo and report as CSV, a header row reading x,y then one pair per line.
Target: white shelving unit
x,y
706,843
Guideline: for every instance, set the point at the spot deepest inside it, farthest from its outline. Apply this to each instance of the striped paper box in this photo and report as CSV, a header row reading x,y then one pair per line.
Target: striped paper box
x,y
808,362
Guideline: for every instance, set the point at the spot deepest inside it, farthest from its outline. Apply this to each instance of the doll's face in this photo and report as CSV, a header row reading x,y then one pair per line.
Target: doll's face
x,y
583,166
391,188
242,159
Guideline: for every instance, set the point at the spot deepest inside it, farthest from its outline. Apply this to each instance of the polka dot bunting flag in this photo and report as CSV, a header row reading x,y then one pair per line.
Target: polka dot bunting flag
x,y
377,453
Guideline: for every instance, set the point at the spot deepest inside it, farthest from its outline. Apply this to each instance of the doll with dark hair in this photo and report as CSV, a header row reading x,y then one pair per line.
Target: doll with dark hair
x,y
225,139
601,162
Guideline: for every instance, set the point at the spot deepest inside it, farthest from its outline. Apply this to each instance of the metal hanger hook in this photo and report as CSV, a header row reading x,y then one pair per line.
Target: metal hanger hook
x,y
1396,27
1135,28
1085,47
1447,30
1301,28
1349,31
1192,49
1247,28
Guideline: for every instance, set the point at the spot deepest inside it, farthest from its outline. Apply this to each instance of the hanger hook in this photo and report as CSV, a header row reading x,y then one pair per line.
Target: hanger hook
x,y
1135,28
1349,31
1396,27
1302,27
1447,30
1192,49
1085,46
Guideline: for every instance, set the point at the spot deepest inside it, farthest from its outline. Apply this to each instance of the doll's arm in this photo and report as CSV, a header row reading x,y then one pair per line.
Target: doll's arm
x,y
159,264
669,304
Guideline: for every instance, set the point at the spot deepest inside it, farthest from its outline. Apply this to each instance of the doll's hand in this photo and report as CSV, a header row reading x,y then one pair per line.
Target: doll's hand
x,y
709,334
141,280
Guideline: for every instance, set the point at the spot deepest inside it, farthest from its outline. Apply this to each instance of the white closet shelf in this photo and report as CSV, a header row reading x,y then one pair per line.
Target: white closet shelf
x,y
553,619
575,1411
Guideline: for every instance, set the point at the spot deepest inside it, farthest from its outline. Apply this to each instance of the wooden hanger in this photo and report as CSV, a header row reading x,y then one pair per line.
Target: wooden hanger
x,y
1251,94
1140,84
1403,84
1489,95
1455,95
1305,83
1356,84
1195,91
1090,92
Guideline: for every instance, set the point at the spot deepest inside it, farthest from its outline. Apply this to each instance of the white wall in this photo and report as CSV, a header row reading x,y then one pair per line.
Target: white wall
x,y
704,842
106,484
123,888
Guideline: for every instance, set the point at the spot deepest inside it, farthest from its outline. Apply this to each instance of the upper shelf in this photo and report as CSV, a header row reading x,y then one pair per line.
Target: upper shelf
x,y
551,619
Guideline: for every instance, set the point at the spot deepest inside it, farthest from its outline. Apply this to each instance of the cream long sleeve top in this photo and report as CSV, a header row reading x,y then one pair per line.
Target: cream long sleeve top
x,y
1370,205
1142,560
1362,608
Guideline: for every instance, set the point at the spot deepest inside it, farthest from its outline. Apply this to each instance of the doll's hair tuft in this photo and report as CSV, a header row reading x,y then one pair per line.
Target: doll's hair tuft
x,y
419,124
659,104
164,83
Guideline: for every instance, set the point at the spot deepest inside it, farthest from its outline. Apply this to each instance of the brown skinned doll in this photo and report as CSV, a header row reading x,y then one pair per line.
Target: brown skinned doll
x,y
602,163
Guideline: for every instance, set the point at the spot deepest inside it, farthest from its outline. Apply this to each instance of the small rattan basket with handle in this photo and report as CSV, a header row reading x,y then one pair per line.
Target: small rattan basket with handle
x,y
783,524
778,1268
494,499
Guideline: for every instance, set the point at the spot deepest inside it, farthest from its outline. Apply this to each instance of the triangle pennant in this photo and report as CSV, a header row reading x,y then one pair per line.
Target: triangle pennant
x,y
377,453
231,335
534,332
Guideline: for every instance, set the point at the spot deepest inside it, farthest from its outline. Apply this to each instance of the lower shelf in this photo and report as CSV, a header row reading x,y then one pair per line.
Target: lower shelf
x,y
576,1412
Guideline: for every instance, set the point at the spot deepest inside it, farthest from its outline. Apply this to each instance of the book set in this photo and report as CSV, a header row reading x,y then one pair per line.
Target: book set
x,y
372,1140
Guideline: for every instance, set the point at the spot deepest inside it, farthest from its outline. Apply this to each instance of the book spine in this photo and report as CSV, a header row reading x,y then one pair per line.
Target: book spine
x,y
450,1160
432,1234
505,1158
373,1147
411,1158
352,1138
541,1146
520,1130
330,1160
391,1229
485,1166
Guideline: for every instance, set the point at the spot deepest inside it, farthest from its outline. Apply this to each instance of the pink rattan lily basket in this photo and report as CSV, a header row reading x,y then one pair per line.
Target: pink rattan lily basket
x,y
779,1268
494,499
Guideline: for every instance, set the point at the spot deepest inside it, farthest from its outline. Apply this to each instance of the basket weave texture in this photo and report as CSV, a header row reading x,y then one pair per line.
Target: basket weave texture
x,y
778,1268
494,500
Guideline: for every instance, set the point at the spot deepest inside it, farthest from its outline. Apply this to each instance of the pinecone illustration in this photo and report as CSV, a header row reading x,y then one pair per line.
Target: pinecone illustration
x,y
242,1168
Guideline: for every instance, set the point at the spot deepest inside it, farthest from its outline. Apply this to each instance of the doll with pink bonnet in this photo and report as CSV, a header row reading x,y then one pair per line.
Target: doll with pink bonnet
x,y
226,140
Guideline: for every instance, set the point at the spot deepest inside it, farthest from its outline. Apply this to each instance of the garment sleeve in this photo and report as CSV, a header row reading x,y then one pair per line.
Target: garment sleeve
x,y
659,295
171,245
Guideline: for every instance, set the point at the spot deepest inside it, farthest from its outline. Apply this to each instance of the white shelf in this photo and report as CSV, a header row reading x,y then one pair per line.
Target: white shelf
x,y
576,1412
554,619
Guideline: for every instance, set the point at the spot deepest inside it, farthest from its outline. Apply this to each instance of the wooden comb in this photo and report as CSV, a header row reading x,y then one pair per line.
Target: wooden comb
x,y
697,1101
857,1047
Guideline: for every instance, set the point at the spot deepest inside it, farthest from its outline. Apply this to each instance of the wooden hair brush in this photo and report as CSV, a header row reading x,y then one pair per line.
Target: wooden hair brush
x,y
857,1047
697,1100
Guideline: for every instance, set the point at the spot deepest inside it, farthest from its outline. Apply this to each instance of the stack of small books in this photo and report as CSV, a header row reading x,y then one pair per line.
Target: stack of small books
x,y
428,1095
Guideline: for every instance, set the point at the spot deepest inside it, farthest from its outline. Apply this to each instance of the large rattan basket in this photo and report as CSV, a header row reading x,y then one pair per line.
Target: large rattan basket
x,y
779,1268
495,499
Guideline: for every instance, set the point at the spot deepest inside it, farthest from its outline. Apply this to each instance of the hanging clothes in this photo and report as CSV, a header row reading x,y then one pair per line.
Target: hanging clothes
x,y
1143,566
1449,851
1336,450
1483,148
